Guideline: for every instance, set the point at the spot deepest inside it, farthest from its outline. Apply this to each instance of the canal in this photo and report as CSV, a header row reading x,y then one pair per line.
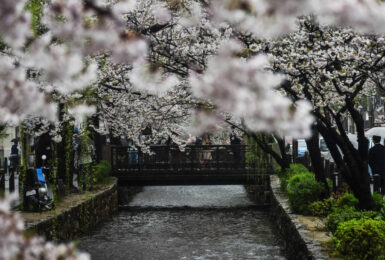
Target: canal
x,y
186,222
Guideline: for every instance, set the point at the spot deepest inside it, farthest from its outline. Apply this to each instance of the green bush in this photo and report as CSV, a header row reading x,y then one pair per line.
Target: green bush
x,y
101,171
343,214
297,168
284,176
321,208
347,200
303,189
378,201
360,239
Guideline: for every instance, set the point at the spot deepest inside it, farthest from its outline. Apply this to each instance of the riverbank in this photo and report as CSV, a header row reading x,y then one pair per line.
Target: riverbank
x,y
76,214
304,236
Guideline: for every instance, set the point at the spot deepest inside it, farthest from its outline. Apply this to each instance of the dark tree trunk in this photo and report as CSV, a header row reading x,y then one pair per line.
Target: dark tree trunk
x,y
353,165
284,164
285,157
316,160
282,160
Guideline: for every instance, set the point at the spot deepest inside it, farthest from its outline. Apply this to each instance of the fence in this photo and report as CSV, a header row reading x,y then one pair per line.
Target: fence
x,y
169,158
337,179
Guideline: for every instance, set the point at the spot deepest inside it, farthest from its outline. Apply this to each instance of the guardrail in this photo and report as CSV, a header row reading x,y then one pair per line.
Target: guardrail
x,y
193,158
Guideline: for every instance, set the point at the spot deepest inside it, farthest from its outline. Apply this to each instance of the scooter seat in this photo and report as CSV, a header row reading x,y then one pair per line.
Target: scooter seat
x,y
40,175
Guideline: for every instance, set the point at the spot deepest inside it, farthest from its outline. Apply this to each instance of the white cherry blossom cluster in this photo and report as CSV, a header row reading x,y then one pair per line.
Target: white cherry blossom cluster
x,y
327,65
246,89
59,61
272,18
126,110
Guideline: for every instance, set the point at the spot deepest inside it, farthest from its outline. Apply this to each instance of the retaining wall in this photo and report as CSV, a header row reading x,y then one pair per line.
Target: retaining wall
x,y
79,216
301,242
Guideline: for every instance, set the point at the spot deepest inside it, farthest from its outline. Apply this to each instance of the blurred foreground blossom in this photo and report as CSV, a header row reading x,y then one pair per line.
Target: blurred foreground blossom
x,y
13,244
246,89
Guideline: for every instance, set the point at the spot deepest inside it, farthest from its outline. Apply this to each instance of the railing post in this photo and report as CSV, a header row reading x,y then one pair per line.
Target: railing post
x,y
335,181
371,184
140,156
2,179
376,183
327,168
217,157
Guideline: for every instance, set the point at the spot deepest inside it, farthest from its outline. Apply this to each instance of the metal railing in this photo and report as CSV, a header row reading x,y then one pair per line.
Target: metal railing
x,y
169,158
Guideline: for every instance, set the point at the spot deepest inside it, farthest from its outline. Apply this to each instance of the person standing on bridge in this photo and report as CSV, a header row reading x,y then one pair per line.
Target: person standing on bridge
x,y
206,153
235,143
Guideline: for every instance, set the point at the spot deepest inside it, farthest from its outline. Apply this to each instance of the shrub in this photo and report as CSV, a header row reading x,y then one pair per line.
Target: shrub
x,y
284,176
360,239
378,201
101,171
347,200
343,214
297,168
303,189
321,208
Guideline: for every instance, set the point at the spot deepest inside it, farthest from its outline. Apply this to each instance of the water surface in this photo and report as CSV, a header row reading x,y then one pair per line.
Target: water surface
x,y
186,222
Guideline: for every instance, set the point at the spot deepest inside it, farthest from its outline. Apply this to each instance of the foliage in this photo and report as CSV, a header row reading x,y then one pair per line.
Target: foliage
x,y
379,202
284,175
3,133
255,155
321,208
347,200
360,239
86,159
101,171
36,9
343,214
68,131
302,190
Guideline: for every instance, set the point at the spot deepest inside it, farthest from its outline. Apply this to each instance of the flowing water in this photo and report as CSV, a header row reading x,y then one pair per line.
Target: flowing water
x,y
186,222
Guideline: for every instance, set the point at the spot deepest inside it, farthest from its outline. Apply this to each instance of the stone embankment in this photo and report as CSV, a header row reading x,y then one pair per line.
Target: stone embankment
x,y
76,214
303,236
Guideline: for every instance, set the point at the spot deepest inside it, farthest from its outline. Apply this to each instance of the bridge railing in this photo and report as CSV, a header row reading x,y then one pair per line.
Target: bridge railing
x,y
169,158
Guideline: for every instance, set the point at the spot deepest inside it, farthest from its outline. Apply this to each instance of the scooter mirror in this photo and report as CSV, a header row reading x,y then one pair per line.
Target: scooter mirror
x,y
43,157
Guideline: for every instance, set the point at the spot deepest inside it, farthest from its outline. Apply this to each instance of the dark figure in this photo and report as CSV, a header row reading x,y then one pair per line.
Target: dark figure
x,y
377,160
235,143
14,157
75,156
43,147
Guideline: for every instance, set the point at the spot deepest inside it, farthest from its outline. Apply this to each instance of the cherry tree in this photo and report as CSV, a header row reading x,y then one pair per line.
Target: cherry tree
x,y
185,54
333,68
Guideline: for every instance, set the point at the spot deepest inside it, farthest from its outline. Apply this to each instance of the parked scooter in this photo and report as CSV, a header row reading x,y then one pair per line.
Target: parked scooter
x,y
36,190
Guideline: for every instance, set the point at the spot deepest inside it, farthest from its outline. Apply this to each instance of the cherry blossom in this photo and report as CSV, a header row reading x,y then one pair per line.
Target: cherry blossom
x,y
13,244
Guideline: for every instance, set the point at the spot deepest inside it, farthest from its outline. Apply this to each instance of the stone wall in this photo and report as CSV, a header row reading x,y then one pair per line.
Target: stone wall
x,y
79,217
300,242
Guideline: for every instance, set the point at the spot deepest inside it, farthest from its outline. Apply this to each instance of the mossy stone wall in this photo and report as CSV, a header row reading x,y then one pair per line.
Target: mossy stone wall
x,y
80,218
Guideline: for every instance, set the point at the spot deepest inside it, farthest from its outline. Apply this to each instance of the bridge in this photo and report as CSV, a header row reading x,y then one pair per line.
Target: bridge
x,y
195,165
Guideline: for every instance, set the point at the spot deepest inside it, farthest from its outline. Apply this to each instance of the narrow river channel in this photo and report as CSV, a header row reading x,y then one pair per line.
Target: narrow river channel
x,y
186,222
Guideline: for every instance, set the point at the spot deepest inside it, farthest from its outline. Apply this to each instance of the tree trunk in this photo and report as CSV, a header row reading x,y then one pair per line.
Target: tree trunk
x,y
316,161
353,166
